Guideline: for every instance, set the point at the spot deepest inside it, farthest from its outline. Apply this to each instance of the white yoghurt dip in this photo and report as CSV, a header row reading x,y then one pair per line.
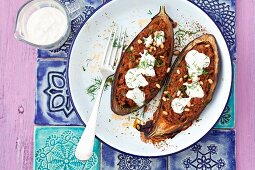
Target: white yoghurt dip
x,y
196,62
146,64
148,41
178,104
159,37
137,96
46,26
134,77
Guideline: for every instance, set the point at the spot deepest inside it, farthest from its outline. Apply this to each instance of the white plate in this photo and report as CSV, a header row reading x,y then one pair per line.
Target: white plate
x,y
88,49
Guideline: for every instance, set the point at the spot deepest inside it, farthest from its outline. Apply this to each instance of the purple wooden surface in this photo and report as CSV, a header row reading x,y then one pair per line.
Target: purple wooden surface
x,y
17,88
245,81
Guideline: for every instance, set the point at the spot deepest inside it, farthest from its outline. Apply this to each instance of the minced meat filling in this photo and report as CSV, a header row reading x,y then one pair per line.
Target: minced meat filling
x,y
131,58
179,77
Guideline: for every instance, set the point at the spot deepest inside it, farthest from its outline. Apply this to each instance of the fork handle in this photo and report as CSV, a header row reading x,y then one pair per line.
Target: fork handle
x,y
84,148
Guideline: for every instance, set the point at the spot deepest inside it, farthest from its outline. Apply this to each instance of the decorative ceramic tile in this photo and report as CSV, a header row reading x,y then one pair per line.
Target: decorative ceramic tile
x,y
222,12
63,51
227,119
53,105
54,149
112,159
216,150
54,146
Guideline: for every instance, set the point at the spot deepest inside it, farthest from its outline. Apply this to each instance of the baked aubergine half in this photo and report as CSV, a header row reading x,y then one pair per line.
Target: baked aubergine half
x,y
143,66
192,81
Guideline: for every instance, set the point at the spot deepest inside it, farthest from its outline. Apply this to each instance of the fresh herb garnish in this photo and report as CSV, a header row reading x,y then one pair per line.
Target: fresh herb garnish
x,y
143,64
92,90
149,12
108,82
180,34
116,43
83,68
205,72
159,62
131,57
168,95
182,88
158,36
129,50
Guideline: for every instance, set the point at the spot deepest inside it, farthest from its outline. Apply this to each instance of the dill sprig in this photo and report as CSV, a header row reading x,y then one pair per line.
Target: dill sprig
x,y
92,90
181,33
159,62
149,12
116,43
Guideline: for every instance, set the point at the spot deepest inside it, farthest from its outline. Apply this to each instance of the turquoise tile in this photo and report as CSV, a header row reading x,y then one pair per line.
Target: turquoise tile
x,y
227,119
54,149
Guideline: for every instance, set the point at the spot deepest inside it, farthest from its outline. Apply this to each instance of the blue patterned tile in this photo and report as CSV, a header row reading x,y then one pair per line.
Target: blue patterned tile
x,y
227,119
223,14
216,150
112,159
53,105
54,149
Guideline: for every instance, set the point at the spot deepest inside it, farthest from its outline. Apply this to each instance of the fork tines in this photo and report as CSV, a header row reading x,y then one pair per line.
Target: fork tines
x,y
114,47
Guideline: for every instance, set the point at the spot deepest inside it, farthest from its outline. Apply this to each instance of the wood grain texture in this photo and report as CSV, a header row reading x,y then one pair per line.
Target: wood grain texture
x,y
245,85
17,88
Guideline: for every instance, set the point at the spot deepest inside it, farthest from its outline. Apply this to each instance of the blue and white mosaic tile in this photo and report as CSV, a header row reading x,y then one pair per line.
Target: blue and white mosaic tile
x,y
54,146
216,151
53,103
112,159
54,149
222,12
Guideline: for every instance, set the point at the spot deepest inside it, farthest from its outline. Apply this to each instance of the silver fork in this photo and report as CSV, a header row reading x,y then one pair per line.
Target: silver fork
x,y
112,55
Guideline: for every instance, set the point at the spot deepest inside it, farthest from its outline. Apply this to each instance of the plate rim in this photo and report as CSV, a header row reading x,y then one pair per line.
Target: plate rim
x,y
77,113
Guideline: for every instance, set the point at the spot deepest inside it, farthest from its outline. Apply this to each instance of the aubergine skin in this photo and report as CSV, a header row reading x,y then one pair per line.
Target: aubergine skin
x,y
125,64
164,126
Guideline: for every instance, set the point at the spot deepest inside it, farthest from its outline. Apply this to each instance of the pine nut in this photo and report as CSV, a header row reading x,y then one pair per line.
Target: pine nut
x,y
165,92
210,81
176,52
164,113
186,109
162,46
